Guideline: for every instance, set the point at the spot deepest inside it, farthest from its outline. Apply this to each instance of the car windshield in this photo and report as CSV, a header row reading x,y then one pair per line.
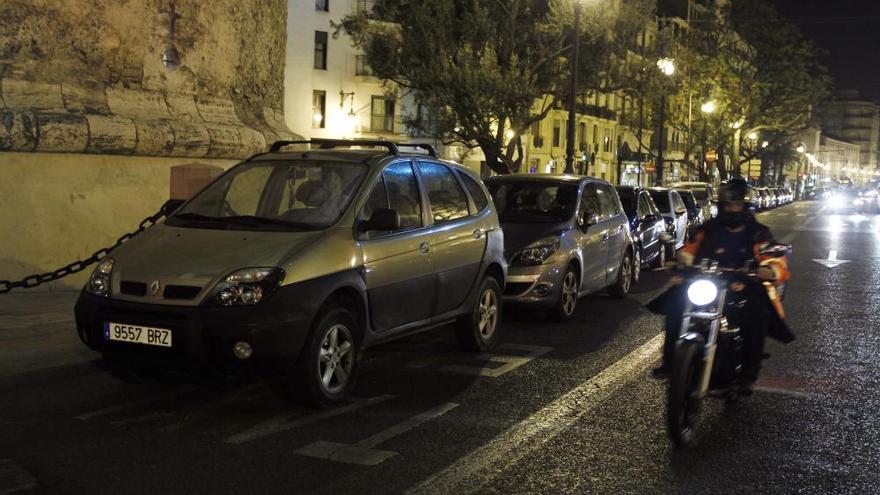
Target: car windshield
x,y
661,199
534,202
275,195
629,201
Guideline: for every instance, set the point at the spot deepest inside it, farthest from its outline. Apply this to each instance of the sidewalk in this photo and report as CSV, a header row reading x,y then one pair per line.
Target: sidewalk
x,y
37,331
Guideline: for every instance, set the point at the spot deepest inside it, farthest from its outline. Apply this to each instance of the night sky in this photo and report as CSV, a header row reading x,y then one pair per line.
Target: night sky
x,y
850,32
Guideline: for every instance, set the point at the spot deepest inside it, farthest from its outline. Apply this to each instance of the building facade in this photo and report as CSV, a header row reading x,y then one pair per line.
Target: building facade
x,y
855,120
838,160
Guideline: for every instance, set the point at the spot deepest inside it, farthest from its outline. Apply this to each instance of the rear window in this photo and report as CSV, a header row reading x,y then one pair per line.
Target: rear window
x,y
688,200
480,200
661,199
534,202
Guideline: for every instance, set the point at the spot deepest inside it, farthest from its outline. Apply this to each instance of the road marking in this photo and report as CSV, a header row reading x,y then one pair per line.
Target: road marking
x,y
284,422
473,471
783,391
132,404
509,363
14,478
832,260
364,452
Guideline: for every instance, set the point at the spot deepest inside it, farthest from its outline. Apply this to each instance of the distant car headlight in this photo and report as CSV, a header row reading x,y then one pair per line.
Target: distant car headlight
x,y
702,292
836,202
857,202
99,280
247,287
537,252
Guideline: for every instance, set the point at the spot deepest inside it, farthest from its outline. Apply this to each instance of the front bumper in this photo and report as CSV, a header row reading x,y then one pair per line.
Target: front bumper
x,y
202,336
534,286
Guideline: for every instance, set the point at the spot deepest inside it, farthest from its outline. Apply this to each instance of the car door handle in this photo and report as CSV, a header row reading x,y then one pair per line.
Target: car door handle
x,y
478,233
424,247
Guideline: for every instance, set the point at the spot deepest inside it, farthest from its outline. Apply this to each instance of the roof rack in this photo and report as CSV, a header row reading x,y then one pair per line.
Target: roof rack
x,y
329,144
427,147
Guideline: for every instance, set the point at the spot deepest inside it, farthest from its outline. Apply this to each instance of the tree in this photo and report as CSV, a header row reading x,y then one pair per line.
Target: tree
x,y
486,67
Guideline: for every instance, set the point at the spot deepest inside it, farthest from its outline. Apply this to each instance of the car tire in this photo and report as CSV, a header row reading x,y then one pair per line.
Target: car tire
x,y
621,287
478,329
637,265
565,306
659,260
327,370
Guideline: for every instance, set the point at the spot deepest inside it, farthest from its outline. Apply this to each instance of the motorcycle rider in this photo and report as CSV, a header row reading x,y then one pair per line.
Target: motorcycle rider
x,y
732,239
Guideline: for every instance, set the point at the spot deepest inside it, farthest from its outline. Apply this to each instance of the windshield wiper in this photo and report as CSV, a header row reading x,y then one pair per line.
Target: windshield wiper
x,y
253,220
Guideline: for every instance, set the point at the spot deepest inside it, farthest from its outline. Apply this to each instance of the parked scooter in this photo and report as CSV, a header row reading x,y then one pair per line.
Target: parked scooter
x,y
709,350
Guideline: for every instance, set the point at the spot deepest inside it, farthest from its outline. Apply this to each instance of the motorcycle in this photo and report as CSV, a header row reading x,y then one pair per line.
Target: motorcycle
x,y
708,353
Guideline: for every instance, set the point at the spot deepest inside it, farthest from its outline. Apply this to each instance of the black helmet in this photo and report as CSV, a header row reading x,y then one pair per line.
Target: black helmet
x,y
736,189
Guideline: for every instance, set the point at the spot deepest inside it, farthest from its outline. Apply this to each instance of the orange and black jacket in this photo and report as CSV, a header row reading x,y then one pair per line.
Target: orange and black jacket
x,y
707,240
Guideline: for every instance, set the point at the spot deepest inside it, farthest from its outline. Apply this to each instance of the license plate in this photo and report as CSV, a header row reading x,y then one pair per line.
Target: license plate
x,y
123,332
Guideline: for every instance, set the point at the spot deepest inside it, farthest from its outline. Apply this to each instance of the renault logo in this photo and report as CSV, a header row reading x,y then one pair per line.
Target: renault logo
x,y
154,288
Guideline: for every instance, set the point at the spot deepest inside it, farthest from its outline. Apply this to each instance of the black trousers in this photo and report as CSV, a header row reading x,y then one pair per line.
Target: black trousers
x,y
752,320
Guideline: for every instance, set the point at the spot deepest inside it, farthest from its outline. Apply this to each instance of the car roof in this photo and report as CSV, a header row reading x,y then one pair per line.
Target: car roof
x,y
690,184
574,179
658,189
370,157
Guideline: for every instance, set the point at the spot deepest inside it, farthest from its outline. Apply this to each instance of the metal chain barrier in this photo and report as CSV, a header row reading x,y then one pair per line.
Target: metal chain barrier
x,y
78,266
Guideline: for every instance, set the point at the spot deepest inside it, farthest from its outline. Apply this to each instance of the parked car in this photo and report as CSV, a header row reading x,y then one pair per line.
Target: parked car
x,y
694,212
300,260
646,226
704,193
674,213
763,198
565,236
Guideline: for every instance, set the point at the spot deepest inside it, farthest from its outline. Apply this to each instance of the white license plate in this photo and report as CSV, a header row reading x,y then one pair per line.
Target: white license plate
x,y
137,334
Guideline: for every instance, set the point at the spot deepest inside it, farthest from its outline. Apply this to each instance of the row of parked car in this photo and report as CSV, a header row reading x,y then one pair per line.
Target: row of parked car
x,y
300,260
772,197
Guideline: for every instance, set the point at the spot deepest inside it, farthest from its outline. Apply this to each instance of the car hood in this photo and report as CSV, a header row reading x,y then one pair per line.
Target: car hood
x,y
520,235
200,257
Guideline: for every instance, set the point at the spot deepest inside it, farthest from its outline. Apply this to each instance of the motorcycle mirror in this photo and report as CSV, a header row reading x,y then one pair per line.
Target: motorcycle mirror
x,y
775,250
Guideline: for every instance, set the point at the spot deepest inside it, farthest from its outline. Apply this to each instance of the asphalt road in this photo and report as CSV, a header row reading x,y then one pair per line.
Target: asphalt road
x,y
559,408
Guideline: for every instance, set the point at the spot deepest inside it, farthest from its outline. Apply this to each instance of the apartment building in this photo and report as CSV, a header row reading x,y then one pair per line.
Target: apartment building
x,y
329,89
853,119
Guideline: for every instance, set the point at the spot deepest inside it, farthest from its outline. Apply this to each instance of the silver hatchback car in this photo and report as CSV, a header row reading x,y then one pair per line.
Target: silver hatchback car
x,y
565,236
300,260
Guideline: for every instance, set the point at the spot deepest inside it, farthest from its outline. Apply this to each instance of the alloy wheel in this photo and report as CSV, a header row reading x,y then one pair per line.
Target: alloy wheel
x,y
625,274
637,267
569,293
336,358
488,314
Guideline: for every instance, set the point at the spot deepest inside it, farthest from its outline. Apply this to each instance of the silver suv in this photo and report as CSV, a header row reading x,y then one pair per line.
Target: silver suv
x,y
565,236
300,260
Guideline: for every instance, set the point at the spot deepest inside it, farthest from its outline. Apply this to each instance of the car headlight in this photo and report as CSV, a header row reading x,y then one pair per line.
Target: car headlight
x,y
536,253
99,280
836,202
247,287
857,202
702,292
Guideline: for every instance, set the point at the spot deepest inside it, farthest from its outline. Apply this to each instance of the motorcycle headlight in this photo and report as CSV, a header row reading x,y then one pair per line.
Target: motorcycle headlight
x,y
702,292
536,253
99,280
247,287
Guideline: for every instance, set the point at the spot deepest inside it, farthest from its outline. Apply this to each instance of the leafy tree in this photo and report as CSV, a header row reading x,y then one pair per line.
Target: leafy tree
x,y
486,67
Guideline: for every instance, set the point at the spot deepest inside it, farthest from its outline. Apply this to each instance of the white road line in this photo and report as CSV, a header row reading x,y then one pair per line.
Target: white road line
x,y
509,363
365,453
473,471
284,423
129,405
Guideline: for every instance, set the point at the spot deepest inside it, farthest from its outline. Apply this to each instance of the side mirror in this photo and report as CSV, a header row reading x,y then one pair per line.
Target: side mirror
x,y
775,250
172,205
590,219
381,219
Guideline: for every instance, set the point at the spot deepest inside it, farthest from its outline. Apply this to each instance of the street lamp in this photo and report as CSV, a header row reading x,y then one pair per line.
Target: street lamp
x,y
707,108
667,67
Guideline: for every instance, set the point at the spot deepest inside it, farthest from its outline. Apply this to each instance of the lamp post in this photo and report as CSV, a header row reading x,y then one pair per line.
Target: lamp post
x,y
667,67
707,108
801,149
572,101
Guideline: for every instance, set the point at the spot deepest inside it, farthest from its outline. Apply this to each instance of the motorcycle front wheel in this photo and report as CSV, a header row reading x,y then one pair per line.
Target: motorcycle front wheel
x,y
683,401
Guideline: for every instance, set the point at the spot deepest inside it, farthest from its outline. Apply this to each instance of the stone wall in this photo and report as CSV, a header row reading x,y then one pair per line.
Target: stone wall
x,y
91,120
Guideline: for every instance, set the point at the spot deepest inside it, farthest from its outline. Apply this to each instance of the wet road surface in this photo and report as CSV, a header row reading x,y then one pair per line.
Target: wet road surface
x,y
558,408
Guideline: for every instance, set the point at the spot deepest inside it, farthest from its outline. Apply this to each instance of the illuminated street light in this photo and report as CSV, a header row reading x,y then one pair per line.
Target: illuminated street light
x,y
708,107
666,66
509,134
765,144
753,136
801,148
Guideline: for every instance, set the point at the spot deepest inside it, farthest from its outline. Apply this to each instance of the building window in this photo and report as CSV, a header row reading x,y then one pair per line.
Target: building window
x,y
582,136
557,133
365,6
595,136
322,5
382,114
321,50
362,68
319,109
